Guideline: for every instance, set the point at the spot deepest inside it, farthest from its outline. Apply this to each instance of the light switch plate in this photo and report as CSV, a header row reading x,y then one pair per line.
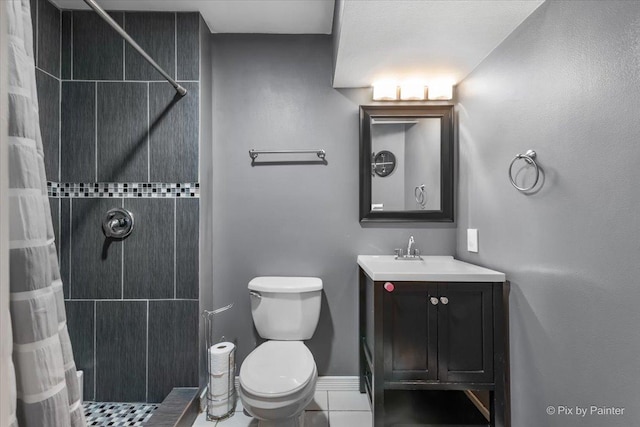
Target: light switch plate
x,y
472,239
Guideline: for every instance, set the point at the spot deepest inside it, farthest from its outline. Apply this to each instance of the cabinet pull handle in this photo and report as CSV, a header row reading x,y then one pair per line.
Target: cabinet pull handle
x,y
444,300
434,300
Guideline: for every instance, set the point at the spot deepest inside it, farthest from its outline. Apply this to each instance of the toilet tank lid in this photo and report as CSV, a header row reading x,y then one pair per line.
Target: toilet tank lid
x,y
285,284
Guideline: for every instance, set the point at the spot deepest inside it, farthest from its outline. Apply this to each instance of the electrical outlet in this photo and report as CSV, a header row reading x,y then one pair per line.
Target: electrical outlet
x,y
472,239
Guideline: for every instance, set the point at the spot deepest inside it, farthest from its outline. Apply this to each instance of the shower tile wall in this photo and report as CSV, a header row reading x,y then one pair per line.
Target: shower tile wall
x,y
107,117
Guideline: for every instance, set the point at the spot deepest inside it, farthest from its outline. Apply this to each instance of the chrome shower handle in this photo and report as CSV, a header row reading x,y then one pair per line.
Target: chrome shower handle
x,y
117,223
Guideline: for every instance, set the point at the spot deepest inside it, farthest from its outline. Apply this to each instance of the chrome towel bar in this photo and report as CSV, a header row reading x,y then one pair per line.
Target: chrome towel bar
x,y
255,153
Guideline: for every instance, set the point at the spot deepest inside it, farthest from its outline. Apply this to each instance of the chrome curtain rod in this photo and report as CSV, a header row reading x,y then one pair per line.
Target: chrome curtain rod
x,y
104,15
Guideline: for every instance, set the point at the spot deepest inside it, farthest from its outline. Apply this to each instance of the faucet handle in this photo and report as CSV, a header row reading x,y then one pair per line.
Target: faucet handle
x,y
399,253
416,253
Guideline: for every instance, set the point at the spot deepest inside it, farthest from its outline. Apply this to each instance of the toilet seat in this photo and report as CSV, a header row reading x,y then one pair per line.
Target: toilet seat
x,y
277,369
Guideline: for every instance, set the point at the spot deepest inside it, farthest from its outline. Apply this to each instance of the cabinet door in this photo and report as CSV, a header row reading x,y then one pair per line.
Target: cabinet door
x,y
410,331
465,332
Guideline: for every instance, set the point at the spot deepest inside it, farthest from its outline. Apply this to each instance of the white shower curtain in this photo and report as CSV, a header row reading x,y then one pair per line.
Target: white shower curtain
x,y
45,374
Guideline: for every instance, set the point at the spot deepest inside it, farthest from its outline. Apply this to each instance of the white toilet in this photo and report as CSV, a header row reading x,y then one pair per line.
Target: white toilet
x,y
278,378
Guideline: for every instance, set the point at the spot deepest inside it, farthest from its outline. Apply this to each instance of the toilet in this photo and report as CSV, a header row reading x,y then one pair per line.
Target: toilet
x,y
278,378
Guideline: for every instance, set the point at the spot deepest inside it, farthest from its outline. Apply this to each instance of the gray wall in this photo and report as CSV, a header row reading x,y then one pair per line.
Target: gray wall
x,y
565,84
132,305
422,158
388,190
274,92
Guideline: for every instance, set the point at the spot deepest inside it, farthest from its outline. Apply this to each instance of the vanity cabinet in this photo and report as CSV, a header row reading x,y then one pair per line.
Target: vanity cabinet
x,y
428,336
438,331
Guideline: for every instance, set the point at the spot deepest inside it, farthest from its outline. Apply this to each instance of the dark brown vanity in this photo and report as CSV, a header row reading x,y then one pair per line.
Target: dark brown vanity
x,y
432,352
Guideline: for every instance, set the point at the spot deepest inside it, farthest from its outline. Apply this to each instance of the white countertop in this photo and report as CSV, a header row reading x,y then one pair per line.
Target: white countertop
x,y
429,269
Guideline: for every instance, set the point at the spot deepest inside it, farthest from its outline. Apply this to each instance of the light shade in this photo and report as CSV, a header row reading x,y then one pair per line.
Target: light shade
x,y
385,91
440,91
412,91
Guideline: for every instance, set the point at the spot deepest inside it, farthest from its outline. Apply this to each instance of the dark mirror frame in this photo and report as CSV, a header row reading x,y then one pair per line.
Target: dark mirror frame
x,y
442,112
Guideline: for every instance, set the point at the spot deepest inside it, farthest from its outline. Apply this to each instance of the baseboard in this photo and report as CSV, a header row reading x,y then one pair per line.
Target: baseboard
x,y
325,383
338,383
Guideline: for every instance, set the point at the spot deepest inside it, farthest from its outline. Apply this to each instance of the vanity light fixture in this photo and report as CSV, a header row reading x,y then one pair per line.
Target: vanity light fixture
x,y
440,91
412,91
385,91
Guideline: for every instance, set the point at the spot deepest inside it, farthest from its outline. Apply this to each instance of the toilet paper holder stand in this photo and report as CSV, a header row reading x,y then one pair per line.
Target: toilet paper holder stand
x,y
220,406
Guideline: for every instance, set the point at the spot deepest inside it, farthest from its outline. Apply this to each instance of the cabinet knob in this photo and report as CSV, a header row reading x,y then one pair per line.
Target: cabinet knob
x,y
444,300
434,300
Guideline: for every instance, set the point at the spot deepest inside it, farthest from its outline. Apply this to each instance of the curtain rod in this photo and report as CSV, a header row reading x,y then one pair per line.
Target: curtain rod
x,y
104,15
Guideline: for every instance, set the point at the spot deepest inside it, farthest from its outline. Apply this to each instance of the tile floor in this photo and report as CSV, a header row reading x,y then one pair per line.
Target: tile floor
x,y
328,408
118,414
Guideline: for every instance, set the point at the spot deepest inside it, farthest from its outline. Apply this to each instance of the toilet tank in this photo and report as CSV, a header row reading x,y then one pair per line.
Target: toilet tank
x,y
285,308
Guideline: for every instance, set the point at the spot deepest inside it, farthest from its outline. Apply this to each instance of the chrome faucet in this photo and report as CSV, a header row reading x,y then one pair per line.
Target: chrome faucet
x,y
412,254
411,243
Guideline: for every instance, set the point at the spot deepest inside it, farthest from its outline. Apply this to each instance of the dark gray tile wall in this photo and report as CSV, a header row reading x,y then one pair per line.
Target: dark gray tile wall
x,y
33,5
187,25
80,323
155,33
64,245
49,109
111,288
96,262
173,134
121,351
65,55
173,330
122,132
48,38
97,50
78,132
54,205
150,277
187,228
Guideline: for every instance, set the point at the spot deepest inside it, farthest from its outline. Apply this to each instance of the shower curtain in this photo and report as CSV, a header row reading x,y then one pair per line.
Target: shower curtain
x,y
45,374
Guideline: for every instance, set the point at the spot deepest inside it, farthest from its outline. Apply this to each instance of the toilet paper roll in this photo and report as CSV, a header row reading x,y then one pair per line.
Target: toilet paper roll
x,y
221,358
220,385
220,408
221,370
217,367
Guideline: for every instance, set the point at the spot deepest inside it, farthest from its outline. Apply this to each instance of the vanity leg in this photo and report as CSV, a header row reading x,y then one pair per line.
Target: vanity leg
x,y
378,357
498,396
362,324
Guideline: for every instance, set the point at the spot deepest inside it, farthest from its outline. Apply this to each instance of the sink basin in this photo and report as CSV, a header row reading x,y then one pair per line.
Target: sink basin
x,y
429,269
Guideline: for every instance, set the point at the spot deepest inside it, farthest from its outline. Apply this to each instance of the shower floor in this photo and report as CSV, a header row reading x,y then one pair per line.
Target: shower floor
x,y
118,414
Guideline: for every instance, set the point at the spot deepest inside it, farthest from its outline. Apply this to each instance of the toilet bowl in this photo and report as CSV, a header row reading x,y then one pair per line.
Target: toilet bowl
x,y
278,378
277,382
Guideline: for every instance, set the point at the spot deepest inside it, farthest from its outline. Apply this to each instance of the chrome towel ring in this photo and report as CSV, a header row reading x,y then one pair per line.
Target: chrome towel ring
x,y
529,157
419,193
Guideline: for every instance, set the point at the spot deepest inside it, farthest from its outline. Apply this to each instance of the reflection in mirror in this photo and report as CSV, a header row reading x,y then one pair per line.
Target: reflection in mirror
x,y
412,182
406,165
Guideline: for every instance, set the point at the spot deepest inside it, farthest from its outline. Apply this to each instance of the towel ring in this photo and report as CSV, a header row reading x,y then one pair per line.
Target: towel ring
x,y
529,157
419,195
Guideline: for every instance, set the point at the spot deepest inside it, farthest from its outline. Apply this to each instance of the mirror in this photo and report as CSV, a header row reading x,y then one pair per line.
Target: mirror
x,y
406,163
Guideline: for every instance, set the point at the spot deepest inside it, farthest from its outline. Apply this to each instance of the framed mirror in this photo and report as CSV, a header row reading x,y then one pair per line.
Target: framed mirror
x,y
406,163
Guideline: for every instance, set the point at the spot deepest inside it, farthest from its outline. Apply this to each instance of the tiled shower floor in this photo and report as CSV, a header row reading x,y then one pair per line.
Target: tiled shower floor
x,y
118,414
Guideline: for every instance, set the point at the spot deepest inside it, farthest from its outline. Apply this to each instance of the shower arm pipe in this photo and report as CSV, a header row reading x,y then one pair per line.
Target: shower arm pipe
x,y
109,20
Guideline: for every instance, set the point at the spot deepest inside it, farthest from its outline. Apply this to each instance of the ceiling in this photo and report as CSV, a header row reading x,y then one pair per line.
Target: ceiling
x,y
420,40
426,40
237,16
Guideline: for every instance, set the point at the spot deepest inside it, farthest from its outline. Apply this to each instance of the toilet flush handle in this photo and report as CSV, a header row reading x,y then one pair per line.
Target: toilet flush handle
x,y
255,294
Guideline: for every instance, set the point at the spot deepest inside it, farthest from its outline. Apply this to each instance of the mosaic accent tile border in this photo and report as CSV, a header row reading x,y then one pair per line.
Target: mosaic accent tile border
x,y
123,189
118,414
